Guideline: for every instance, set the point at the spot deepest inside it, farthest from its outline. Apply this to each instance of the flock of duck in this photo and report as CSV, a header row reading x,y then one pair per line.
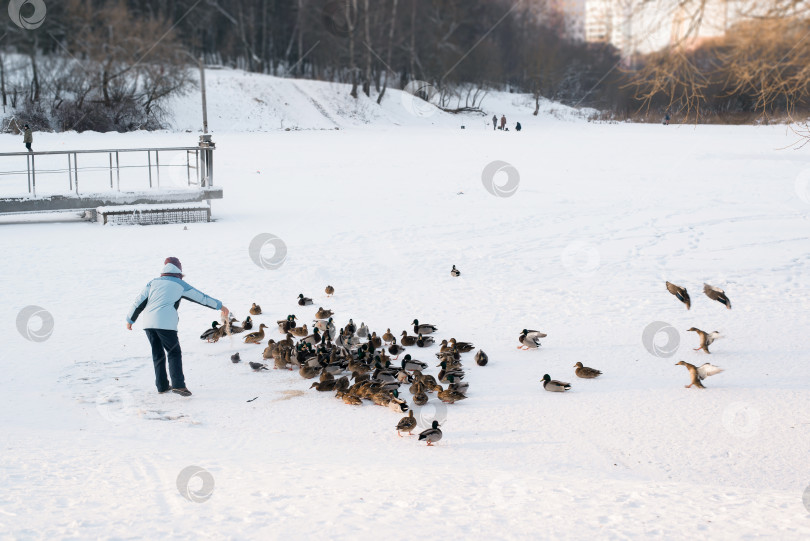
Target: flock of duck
x,y
356,363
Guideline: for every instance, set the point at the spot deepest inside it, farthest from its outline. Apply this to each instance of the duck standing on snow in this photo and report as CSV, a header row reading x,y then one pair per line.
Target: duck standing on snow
x,y
323,314
706,338
432,434
246,326
455,272
481,358
329,291
406,424
255,310
698,374
680,293
530,339
388,337
424,328
585,372
554,386
462,347
407,340
717,294
395,349
304,301
424,341
411,364
256,337
212,334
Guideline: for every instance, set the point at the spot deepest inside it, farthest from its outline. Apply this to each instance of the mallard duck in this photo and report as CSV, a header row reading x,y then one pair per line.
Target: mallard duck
x,y
395,349
432,434
585,372
362,330
717,294
288,341
706,338
300,331
271,350
455,272
424,328
530,339
255,310
323,314
450,396
280,363
417,386
209,334
383,358
396,404
350,327
257,367
481,358
246,326
309,372
256,337
303,301
407,340
324,386
329,291
699,373
447,371
412,364
461,386
325,376
376,341
463,347
420,399
286,325
450,363
445,348
406,424
352,400
424,341
680,293
388,338
554,386
342,383
313,339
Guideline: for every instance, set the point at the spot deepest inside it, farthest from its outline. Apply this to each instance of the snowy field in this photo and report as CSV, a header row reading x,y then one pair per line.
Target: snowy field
x,y
602,216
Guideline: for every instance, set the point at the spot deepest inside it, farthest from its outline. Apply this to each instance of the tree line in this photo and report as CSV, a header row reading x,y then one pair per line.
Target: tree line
x,y
110,64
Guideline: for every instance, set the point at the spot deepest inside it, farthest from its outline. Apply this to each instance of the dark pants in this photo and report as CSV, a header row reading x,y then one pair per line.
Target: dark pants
x,y
163,342
28,146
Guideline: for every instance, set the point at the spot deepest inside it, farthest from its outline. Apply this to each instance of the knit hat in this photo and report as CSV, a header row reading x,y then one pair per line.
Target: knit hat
x,y
170,267
174,261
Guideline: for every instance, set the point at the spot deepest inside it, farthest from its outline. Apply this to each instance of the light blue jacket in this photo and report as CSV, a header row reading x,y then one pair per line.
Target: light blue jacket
x,y
160,298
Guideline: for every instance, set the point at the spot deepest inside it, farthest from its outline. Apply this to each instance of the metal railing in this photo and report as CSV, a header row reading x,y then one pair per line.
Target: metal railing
x,y
198,160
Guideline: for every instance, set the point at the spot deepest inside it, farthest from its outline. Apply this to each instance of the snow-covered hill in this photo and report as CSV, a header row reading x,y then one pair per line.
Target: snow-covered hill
x,y
241,101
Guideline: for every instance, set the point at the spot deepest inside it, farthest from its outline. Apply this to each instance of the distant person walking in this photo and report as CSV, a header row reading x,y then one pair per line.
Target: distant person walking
x,y
159,301
494,122
518,127
666,118
503,122
28,137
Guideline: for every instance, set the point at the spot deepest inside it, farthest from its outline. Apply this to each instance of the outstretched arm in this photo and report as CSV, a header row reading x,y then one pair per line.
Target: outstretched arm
x,y
199,297
138,306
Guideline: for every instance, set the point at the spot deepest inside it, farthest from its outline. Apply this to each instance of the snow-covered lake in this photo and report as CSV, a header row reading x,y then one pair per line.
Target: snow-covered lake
x,y
602,216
